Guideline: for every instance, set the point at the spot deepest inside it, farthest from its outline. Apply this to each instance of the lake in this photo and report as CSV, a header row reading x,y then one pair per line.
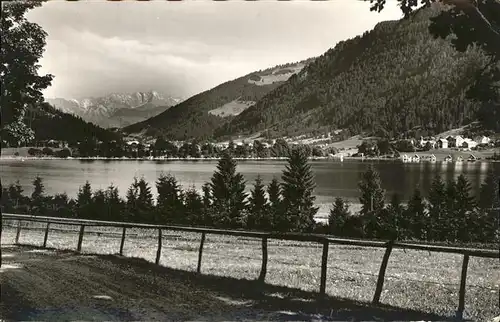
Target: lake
x,y
333,178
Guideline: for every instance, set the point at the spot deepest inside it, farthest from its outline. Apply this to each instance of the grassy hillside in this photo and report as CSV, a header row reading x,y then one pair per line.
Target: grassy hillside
x,y
389,80
201,114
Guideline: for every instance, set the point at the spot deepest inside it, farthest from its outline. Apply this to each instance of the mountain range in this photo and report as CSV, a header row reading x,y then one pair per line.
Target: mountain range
x,y
116,109
388,81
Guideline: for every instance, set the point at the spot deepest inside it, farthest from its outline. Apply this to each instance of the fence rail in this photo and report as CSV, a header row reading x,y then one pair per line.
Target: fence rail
x,y
324,240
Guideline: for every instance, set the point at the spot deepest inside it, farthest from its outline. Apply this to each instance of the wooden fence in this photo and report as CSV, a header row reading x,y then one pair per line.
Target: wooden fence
x,y
265,236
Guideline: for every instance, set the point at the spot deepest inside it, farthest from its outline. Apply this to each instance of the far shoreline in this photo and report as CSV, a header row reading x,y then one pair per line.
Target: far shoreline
x,y
333,159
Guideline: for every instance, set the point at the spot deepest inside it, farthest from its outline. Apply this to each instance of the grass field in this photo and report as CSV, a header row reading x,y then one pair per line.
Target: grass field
x,y
415,280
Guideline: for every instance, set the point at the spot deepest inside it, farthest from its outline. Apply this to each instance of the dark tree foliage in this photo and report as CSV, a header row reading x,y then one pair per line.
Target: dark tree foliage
x,y
339,214
144,201
489,208
13,199
372,195
207,219
276,215
99,205
416,216
62,206
372,198
437,209
115,206
471,23
297,189
396,223
169,205
258,207
451,221
228,194
489,196
38,199
22,47
84,201
39,188
466,213
193,208
280,148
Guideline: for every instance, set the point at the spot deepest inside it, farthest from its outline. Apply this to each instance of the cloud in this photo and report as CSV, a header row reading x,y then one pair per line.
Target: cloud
x,y
182,48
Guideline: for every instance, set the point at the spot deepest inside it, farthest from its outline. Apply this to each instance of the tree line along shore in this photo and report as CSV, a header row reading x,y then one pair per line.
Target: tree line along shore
x,y
450,213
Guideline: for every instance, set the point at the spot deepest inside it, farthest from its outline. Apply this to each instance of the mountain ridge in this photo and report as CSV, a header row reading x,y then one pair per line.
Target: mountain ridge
x,y
107,111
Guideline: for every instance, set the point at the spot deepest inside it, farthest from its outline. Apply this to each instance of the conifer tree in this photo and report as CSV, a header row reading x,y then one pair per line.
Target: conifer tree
x,y
132,201
489,212
145,202
84,201
416,215
193,212
437,209
297,189
169,200
38,198
62,205
258,207
450,223
14,197
39,188
99,205
339,214
488,196
467,215
372,194
275,213
114,204
372,201
228,193
396,220
207,205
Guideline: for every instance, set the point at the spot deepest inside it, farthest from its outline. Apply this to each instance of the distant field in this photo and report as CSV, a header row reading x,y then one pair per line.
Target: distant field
x,y
232,108
414,280
278,75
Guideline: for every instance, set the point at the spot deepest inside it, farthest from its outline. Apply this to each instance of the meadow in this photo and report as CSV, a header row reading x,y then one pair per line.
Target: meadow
x,y
419,280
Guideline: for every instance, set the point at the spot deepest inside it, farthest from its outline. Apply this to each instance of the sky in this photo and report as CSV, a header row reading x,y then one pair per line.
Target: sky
x,y
183,48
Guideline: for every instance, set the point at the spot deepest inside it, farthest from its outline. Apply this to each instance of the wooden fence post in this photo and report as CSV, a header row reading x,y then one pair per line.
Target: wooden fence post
x,y
123,241
461,294
381,274
324,265
158,252
200,252
18,232
80,238
46,235
263,270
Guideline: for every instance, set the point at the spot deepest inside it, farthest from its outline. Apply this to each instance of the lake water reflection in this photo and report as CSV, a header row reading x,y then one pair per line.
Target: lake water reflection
x,y
334,179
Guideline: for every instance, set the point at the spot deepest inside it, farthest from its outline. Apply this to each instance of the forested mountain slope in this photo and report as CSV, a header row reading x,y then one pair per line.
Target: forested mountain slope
x,y
389,80
50,123
201,114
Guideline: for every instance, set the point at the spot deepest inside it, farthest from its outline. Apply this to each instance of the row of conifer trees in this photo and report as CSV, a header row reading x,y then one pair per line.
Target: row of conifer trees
x,y
448,213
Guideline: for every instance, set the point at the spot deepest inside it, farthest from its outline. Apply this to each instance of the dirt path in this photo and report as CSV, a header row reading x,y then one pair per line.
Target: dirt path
x,y
51,285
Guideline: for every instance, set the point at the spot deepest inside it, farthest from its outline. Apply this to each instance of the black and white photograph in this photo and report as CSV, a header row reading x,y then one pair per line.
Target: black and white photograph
x,y
264,160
